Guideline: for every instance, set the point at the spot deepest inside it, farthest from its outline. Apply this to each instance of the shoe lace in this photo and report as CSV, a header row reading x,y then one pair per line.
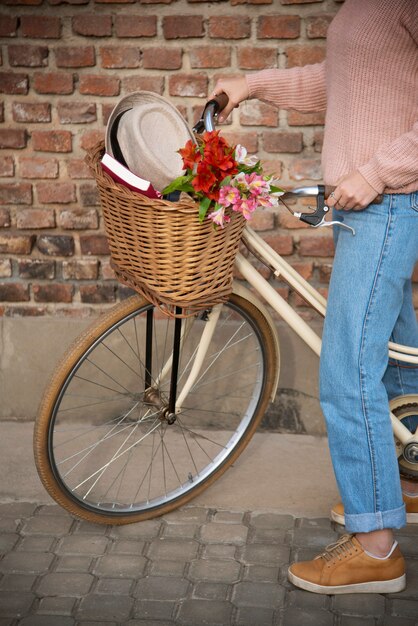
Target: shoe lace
x,y
339,548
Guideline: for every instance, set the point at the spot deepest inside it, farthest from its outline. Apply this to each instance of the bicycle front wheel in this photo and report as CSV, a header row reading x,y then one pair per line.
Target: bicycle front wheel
x,y
104,446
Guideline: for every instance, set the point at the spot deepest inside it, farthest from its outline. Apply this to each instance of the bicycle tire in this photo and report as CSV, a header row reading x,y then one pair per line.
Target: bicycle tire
x,y
50,422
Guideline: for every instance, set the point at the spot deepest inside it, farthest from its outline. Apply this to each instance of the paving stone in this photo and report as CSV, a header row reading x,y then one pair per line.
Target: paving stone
x,y
224,533
125,546
271,520
122,565
117,586
142,530
411,591
307,617
73,564
154,609
83,544
255,615
317,538
360,604
15,603
268,595
261,573
265,554
303,554
36,543
210,591
7,542
205,612
213,570
52,509
17,582
46,620
347,620
56,606
167,568
404,608
408,545
26,562
170,549
191,514
229,517
219,551
183,531
82,527
161,588
106,608
17,509
64,584
269,535
317,522
306,599
398,621
145,622
8,525
47,525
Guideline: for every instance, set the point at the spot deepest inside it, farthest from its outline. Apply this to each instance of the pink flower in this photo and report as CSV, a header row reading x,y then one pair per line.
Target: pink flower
x,y
218,217
247,206
228,195
256,183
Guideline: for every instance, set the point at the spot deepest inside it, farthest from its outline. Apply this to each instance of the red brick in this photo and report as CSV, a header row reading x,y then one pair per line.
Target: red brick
x,y
114,57
229,27
210,56
135,25
1,111
295,118
415,274
94,244
28,56
301,54
14,83
325,270
40,26
56,245
282,244
262,219
247,139
253,113
93,25
182,26
236,2
162,58
188,85
25,311
53,292
31,167
90,138
278,27
27,219
89,195
288,221
99,85
146,83
273,167
76,112
28,112
317,26
36,268
301,169
316,246
7,166
108,272
75,56
53,82
54,2
14,292
256,58
78,219
304,268
115,1
281,141
12,138
15,193
80,269
318,140
4,217
8,26
51,193
301,1
16,244
5,268
95,294
77,168
52,140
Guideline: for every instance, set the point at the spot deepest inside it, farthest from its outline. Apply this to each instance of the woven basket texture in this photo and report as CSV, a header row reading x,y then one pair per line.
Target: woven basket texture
x,y
161,250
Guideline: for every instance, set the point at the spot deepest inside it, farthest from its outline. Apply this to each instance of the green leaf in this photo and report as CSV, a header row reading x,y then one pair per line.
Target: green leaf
x,y
274,189
203,208
182,183
225,181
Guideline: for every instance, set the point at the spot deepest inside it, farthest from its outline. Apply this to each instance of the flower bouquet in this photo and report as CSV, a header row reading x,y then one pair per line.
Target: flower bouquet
x,y
220,176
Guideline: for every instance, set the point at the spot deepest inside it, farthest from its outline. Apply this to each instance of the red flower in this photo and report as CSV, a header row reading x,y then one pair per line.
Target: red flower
x,y
206,181
190,155
219,154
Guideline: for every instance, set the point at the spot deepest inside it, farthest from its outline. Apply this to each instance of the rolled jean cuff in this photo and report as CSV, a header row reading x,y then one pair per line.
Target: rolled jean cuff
x,y
367,522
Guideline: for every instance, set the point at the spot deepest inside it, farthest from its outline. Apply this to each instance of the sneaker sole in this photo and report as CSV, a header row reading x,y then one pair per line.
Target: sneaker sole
x,y
376,586
411,518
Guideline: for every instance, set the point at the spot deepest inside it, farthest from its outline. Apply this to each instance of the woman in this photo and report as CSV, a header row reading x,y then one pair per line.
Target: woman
x,y
368,85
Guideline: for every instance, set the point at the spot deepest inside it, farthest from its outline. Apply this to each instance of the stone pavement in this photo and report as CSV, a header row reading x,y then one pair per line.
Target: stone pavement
x,y
195,566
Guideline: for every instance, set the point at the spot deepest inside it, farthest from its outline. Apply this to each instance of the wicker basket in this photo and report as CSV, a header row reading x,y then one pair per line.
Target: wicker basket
x,y
161,250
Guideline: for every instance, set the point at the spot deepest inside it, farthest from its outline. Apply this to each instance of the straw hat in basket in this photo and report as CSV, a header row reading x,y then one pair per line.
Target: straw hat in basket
x,y
144,132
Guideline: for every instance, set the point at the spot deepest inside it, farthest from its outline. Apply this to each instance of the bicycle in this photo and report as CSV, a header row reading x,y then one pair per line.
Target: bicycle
x,y
144,411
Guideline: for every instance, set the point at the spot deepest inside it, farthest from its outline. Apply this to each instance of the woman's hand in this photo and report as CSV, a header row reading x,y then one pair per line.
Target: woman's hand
x,y
352,192
236,89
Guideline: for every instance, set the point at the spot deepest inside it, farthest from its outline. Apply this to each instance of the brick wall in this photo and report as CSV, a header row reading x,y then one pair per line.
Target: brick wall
x,y
65,63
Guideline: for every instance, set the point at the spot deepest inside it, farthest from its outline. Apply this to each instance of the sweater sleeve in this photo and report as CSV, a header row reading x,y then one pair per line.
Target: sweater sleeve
x,y
394,165
299,88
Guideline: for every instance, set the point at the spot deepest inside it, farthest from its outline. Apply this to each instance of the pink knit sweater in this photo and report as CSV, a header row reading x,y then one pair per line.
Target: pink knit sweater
x,y
368,85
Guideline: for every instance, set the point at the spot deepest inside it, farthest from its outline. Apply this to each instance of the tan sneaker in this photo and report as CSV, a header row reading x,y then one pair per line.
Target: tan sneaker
x,y
411,505
344,567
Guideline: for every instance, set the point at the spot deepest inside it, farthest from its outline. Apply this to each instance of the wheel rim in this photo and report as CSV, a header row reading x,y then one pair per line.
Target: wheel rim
x,y
111,451
405,408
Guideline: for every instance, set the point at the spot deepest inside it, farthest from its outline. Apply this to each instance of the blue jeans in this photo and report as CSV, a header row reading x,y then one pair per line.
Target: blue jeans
x,y
369,303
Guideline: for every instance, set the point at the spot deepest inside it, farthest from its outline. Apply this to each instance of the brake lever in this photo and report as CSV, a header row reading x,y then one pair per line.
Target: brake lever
x,y
334,223
316,218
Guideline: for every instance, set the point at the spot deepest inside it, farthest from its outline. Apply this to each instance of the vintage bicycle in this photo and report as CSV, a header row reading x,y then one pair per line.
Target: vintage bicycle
x,y
145,411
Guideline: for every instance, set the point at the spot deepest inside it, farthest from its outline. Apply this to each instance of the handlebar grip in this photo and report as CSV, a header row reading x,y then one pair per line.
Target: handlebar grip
x,y
329,189
219,103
